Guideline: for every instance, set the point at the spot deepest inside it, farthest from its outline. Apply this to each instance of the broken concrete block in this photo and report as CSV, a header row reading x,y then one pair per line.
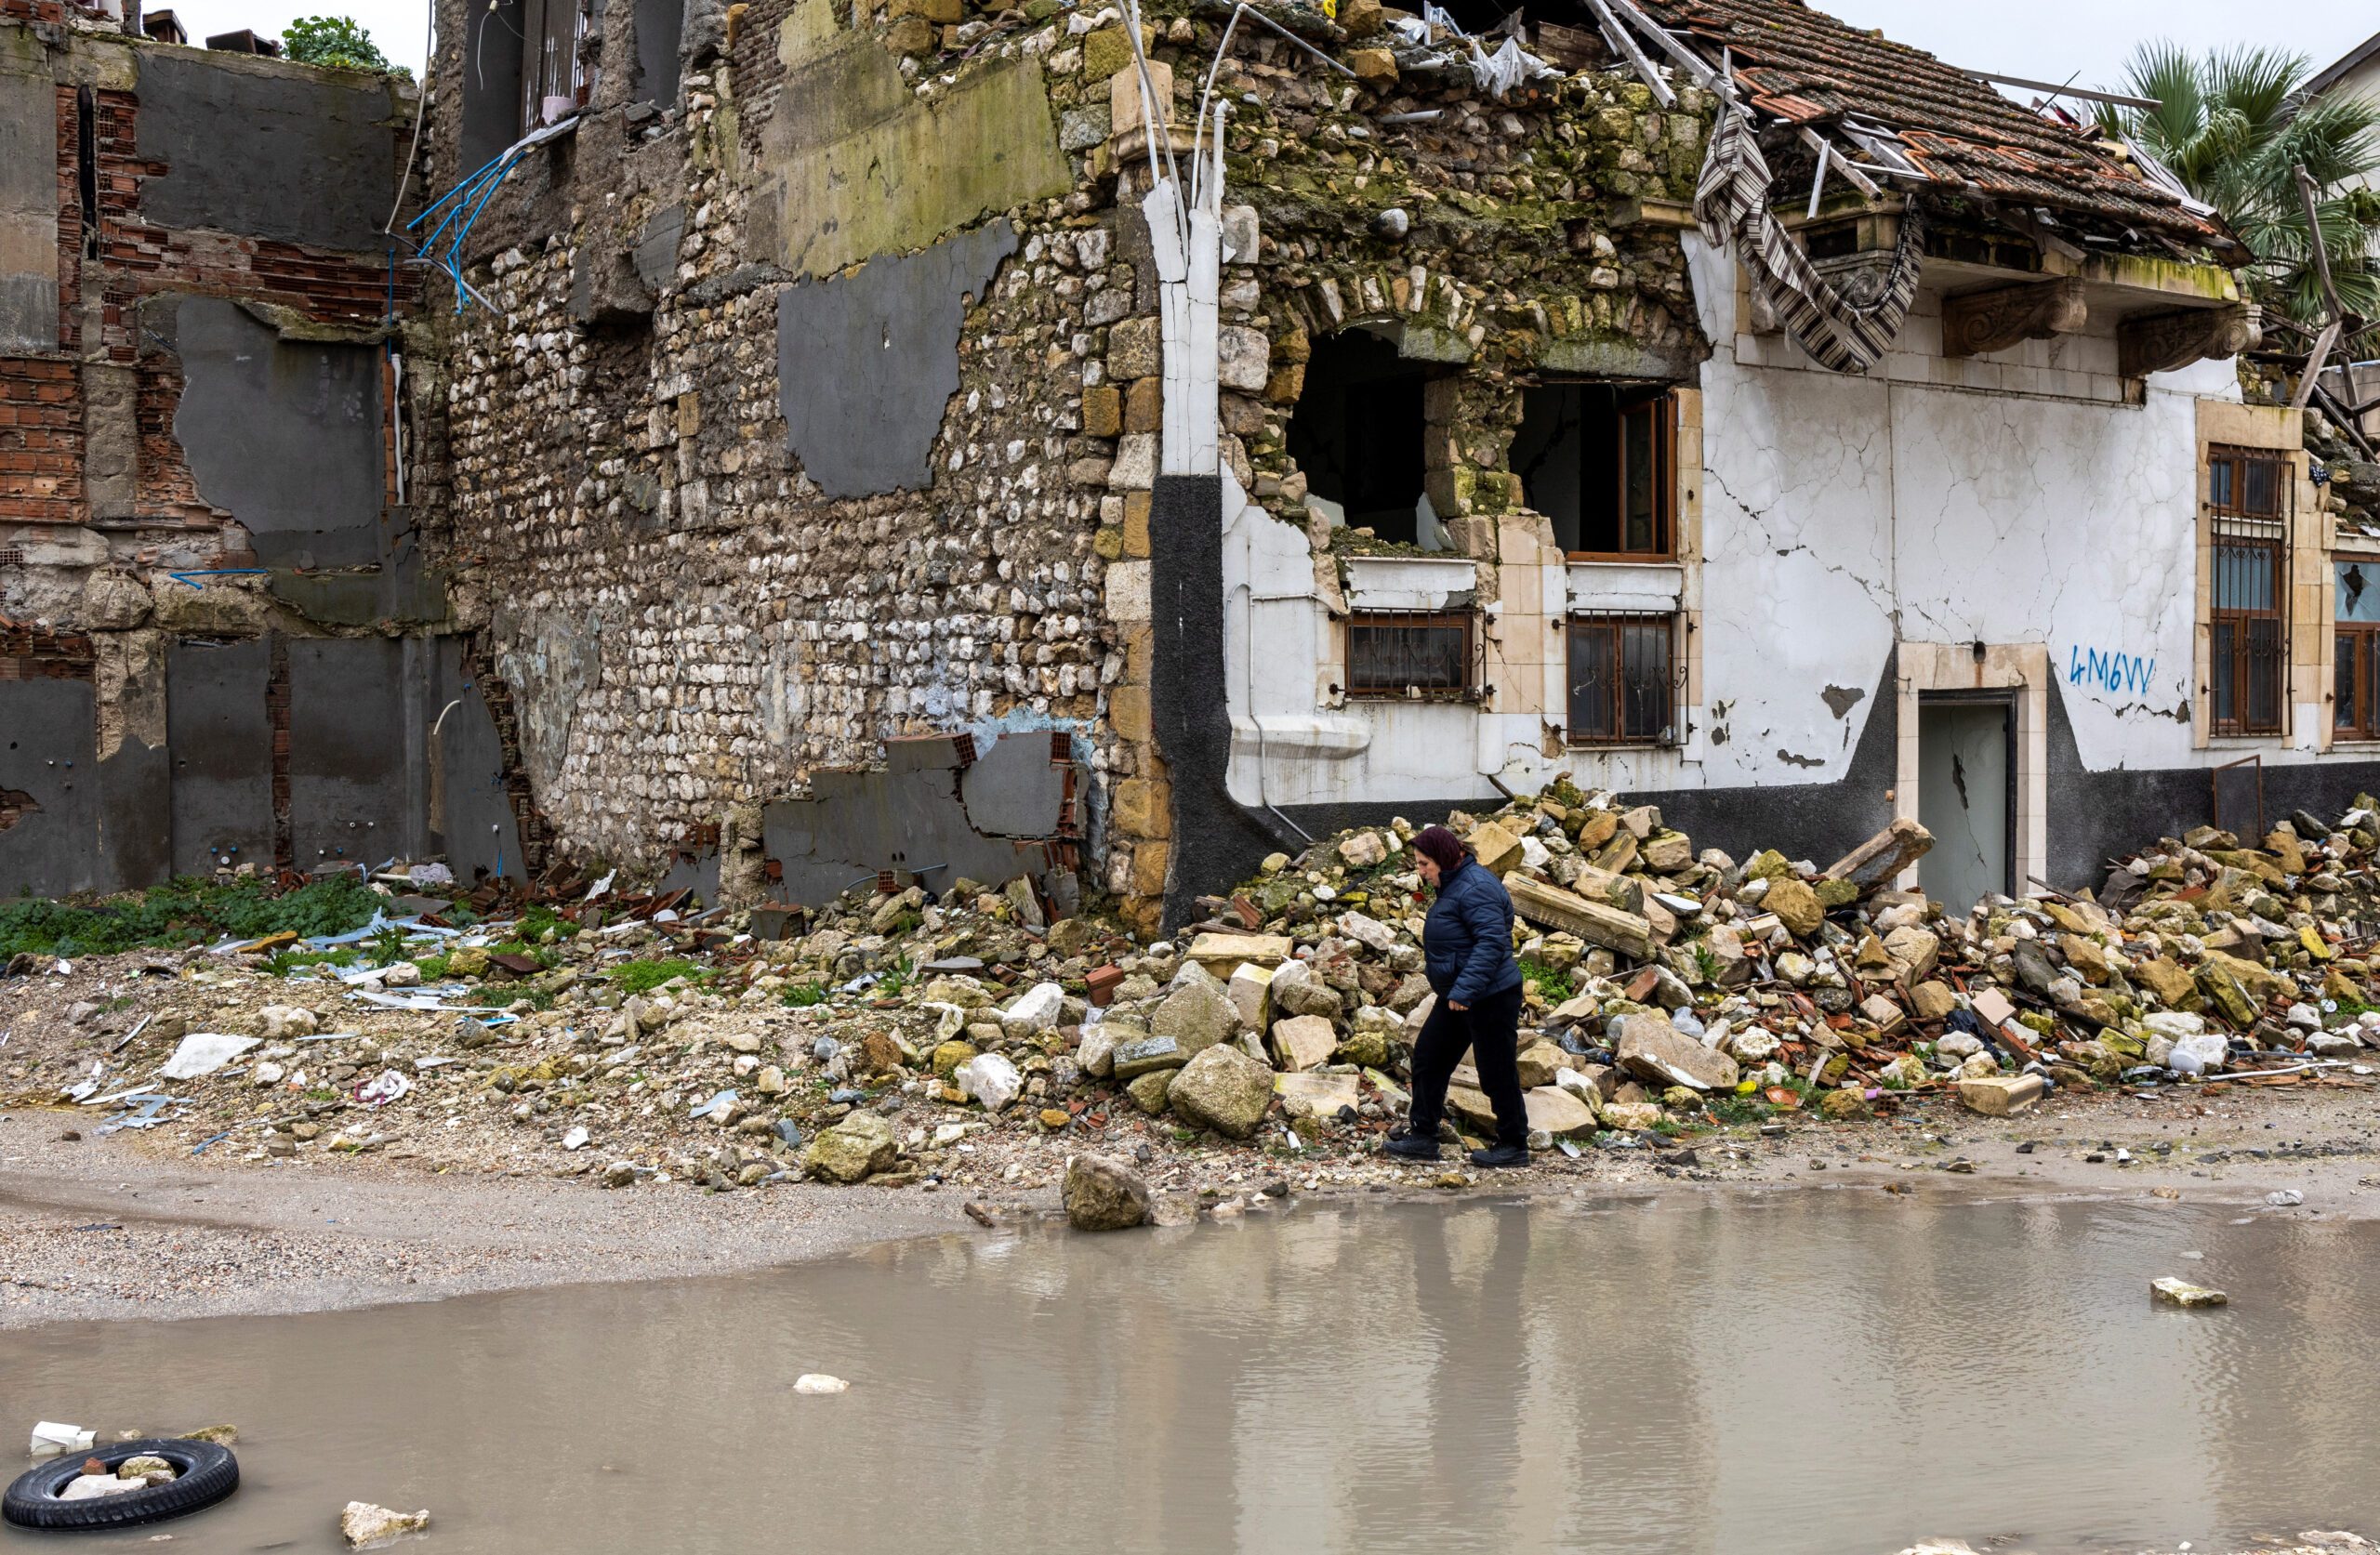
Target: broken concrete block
x,y
1303,1042
1874,864
1652,1049
1250,992
1609,927
1497,849
2000,1095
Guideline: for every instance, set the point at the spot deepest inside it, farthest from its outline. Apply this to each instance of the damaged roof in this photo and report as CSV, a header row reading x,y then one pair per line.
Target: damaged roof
x,y
1807,67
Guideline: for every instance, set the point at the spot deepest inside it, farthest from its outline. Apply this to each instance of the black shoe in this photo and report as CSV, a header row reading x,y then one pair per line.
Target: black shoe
x,y
1409,1146
1500,1155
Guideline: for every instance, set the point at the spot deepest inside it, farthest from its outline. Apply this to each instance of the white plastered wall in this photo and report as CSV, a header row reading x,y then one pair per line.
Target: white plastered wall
x,y
2031,500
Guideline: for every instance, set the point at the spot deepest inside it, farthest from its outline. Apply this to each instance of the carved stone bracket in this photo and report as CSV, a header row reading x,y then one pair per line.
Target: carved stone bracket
x,y
2149,343
1974,322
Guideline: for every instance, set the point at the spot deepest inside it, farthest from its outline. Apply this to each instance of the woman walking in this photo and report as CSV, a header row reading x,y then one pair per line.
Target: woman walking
x,y
1467,950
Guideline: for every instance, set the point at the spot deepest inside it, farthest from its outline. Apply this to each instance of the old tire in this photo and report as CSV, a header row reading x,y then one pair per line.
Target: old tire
x,y
206,1474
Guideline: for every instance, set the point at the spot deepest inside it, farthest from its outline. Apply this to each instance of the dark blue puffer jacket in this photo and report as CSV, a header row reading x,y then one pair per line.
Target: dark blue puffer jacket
x,y
1467,941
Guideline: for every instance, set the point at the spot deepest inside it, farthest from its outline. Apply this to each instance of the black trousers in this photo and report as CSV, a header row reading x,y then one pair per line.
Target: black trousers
x,y
1489,1028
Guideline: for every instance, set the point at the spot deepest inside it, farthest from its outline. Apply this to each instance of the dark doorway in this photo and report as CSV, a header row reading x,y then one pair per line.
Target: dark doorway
x,y
1357,433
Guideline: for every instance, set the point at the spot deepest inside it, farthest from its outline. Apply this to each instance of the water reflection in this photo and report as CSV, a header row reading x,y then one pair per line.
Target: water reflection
x,y
1812,1373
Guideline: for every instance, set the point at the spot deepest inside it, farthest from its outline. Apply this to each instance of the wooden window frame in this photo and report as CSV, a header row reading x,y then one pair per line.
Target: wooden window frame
x,y
1465,621
1662,409
2355,645
2237,528
1581,626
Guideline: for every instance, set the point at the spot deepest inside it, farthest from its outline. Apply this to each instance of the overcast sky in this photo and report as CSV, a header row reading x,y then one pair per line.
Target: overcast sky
x,y
2049,39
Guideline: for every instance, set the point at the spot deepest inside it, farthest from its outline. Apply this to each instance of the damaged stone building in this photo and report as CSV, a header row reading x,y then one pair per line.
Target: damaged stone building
x,y
219,637
977,441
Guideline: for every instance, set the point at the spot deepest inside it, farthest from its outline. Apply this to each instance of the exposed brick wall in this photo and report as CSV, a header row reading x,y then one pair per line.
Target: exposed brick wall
x,y
41,441
167,486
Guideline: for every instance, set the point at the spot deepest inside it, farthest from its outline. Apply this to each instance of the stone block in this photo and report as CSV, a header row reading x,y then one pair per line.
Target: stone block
x,y
1376,66
1142,808
1145,405
1151,862
1128,712
1497,849
1103,410
1652,1049
2000,1095
1135,349
1303,1042
1554,907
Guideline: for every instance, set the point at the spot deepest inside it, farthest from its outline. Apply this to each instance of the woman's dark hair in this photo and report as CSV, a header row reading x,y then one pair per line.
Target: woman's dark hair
x,y
1440,845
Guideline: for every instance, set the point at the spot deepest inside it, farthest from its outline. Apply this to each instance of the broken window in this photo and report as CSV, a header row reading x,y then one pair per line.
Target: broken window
x,y
2356,675
1357,435
2248,646
1411,655
1625,674
1599,460
553,80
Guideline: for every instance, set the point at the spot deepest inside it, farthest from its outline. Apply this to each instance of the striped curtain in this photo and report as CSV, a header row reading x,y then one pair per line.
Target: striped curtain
x,y
1731,204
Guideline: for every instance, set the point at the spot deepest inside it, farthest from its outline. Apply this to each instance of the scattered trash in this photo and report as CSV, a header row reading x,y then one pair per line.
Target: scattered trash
x,y
204,1053
51,1437
819,1382
145,1480
2285,1198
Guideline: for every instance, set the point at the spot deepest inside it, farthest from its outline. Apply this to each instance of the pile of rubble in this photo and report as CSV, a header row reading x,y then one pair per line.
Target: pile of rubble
x,y
899,1037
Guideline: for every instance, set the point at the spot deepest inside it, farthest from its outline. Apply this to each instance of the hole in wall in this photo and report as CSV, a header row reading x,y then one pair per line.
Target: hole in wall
x,y
1595,458
1357,434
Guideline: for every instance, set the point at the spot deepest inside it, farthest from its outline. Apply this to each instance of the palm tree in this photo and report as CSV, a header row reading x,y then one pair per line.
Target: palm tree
x,y
2234,127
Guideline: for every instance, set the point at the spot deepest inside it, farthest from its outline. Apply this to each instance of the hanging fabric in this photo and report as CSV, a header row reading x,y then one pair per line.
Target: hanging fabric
x,y
1841,333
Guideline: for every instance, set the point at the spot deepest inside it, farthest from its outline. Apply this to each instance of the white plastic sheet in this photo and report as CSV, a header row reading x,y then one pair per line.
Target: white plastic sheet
x,y
204,1053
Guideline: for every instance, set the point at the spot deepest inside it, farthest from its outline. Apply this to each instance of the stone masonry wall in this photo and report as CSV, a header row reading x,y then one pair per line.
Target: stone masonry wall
x,y
691,624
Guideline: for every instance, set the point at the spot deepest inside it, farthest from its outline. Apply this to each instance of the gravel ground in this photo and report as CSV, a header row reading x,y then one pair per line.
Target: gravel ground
x,y
461,1187
132,1226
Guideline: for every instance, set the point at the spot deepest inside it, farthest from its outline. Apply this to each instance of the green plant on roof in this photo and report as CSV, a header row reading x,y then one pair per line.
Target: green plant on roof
x,y
338,41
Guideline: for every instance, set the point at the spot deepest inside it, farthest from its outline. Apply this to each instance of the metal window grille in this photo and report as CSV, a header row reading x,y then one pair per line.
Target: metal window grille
x,y
1627,680
2248,491
550,67
1412,655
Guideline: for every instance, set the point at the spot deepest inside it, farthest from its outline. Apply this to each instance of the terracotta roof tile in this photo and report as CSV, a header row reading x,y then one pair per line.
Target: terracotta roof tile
x,y
1806,67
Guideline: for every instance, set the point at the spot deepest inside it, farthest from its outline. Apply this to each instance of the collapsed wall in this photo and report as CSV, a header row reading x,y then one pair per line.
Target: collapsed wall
x,y
815,409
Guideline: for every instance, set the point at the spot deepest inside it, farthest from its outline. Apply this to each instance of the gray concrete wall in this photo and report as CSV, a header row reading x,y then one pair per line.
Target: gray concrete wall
x,y
474,809
48,749
349,788
283,434
986,821
299,156
867,362
28,196
221,733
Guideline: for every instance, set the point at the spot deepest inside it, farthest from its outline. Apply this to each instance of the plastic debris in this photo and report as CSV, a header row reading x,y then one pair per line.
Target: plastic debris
x,y
819,1382
53,1437
204,1053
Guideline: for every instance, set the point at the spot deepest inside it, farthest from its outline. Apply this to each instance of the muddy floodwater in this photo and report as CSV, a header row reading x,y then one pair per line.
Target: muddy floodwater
x,y
1834,1374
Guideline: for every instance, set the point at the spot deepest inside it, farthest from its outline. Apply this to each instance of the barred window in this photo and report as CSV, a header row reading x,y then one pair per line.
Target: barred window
x,y
1417,655
1625,678
2247,492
